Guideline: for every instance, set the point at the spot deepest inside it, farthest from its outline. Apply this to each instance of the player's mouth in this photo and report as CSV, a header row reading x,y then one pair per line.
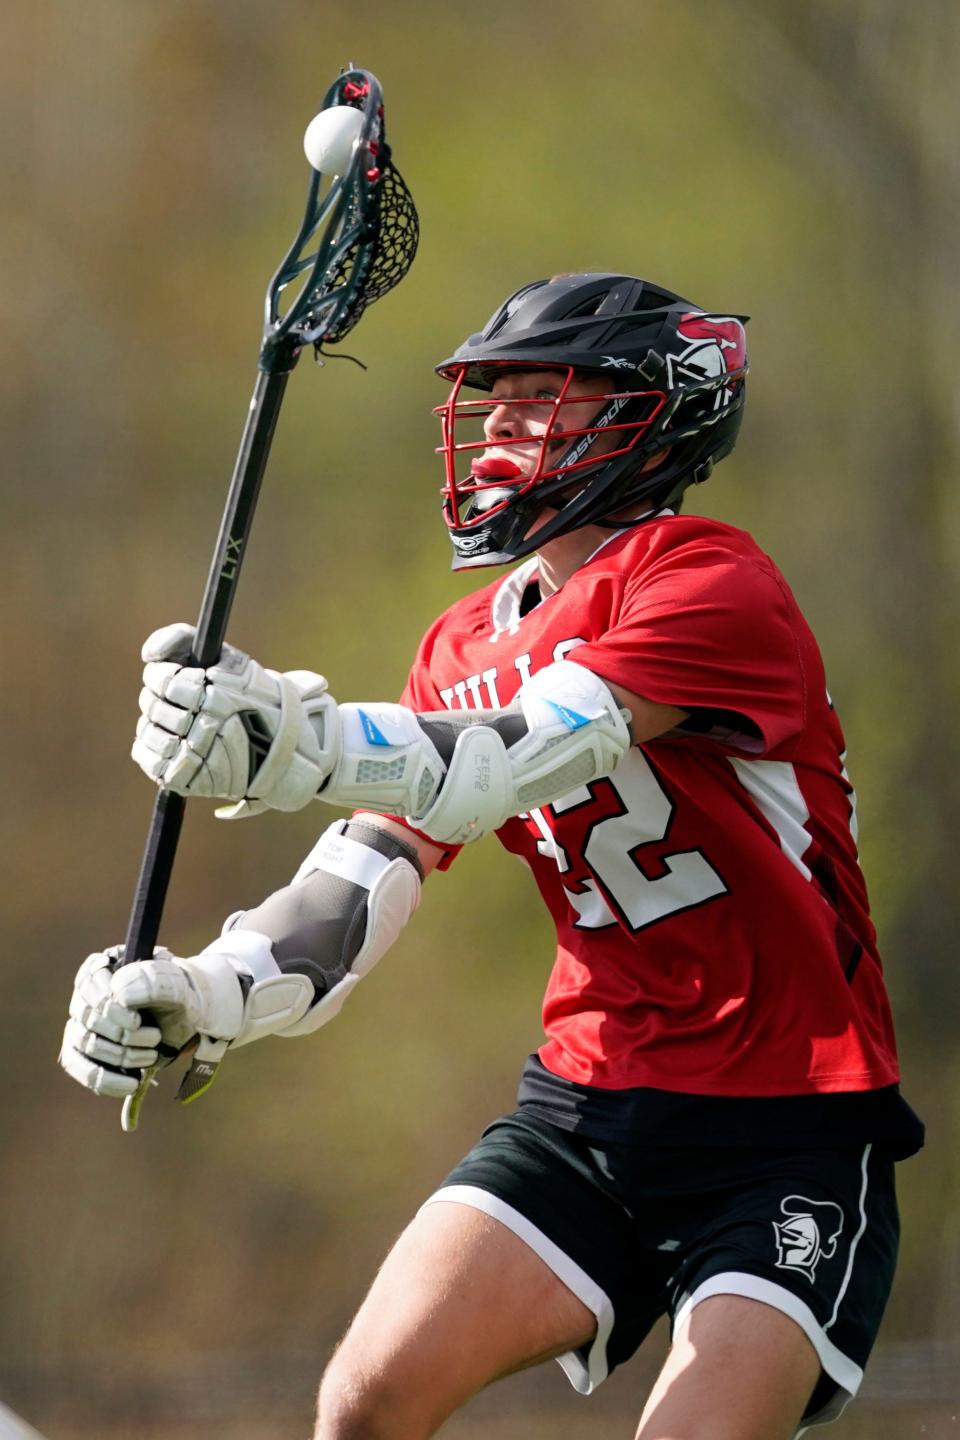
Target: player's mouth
x,y
493,465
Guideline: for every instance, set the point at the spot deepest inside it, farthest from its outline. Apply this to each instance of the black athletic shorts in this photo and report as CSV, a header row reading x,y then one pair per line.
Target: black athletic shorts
x,y
637,1232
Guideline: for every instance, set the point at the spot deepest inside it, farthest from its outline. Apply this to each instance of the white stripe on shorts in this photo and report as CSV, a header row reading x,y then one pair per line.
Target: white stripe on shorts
x,y
584,1377
856,1239
838,1366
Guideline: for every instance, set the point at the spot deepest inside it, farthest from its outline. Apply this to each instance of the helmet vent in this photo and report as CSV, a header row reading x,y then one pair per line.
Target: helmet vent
x,y
590,306
507,311
653,299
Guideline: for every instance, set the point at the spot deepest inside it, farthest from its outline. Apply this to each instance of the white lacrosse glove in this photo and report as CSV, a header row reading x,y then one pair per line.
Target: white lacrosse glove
x,y
201,732
106,1035
230,994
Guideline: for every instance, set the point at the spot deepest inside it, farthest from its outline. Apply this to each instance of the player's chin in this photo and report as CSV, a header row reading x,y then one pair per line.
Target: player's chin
x,y
542,519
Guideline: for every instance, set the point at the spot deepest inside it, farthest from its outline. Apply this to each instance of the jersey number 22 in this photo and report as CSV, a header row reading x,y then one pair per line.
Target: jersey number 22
x,y
610,848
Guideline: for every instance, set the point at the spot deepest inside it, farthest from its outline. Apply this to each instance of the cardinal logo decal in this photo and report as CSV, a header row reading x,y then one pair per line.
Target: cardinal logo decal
x,y
808,1235
716,346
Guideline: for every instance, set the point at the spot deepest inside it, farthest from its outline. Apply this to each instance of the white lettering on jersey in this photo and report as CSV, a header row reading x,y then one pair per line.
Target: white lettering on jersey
x,y
473,685
593,912
548,845
687,878
612,851
488,679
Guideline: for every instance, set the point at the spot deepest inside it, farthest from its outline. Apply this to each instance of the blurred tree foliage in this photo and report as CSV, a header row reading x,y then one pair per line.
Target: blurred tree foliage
x,y
795,161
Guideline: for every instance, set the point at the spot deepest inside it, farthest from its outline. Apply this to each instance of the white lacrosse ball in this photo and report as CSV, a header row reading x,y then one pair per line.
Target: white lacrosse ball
x,y
328,141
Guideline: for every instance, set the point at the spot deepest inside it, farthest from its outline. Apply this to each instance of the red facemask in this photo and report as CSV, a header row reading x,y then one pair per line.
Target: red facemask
x,y
492,482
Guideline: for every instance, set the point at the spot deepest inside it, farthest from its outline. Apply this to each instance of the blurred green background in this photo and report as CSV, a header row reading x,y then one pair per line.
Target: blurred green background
x,y
793,159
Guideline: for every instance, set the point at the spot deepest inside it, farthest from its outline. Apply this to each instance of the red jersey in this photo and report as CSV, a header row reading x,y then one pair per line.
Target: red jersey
x,y
712,921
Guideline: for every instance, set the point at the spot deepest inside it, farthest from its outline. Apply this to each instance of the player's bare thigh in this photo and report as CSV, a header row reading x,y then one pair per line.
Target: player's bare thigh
x,y
737,1370
460,1301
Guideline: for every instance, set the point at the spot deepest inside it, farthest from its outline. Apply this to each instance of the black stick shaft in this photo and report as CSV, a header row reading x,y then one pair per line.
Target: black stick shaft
x,y
158,856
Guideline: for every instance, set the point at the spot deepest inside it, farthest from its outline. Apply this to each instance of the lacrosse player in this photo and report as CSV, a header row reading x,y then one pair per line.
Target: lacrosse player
x,y
639,710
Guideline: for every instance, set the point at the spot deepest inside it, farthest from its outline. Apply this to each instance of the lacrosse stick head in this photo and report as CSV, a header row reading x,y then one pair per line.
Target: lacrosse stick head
x,y
358,238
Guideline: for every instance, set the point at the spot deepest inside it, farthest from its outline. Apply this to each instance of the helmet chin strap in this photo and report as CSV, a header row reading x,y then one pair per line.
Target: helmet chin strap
x,y
577,451
484,500
583,444
658,493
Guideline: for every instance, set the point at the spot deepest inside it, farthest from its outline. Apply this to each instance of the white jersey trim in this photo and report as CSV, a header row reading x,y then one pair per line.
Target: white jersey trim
x,y
775,790
838,1366
584,1375
505,613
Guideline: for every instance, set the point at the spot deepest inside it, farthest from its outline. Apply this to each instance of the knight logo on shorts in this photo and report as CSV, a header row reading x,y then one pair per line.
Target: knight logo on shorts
x,y
808,1235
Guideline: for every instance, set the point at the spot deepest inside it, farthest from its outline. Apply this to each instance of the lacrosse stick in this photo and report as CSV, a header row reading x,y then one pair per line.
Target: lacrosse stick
x,y
364,226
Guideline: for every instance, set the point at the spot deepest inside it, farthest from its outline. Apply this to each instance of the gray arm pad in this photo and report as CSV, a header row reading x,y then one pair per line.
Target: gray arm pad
x,y
300,953
317,925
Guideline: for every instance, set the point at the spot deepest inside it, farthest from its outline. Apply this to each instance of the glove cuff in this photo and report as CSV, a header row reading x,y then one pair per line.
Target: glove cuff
x,y
270,1000
249,953
218,979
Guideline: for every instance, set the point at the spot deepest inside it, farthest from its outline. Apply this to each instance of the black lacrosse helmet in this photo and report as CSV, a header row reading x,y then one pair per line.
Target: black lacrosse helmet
x,y
670,378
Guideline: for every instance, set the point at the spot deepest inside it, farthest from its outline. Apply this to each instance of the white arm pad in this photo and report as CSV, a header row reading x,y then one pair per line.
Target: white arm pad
x,y
385,761
576,733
